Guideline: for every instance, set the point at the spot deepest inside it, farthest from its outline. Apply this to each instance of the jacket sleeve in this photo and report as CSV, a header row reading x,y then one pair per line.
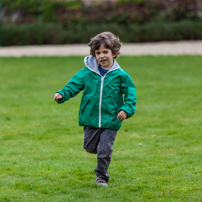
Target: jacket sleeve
x,y
130,98
73,87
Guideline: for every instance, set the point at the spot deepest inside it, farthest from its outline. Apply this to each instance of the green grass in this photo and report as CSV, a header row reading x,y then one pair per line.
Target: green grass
x,y
157,153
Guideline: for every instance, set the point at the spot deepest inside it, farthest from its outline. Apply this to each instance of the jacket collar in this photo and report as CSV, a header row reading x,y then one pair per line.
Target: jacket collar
x,y
92,64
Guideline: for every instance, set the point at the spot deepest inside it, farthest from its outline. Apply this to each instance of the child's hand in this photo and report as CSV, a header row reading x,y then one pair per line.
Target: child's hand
x,y
121,115
58,97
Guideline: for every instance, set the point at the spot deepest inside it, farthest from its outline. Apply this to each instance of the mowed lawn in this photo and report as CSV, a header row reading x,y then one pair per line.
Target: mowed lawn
x,y
157,153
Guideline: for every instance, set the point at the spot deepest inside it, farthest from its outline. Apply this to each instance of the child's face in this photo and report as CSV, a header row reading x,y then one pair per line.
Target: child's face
x,y
104,57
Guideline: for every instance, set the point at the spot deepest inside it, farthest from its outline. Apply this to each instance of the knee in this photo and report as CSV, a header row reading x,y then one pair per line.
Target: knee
x,y
90,150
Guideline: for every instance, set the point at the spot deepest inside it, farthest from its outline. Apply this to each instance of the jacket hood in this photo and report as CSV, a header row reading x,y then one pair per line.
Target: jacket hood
x,y
92,64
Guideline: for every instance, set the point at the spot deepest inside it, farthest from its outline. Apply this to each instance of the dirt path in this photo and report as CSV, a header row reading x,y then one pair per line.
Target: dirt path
x,y
158,48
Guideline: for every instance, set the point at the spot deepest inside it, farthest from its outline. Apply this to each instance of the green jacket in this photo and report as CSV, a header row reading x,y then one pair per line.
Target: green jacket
x,y
102,96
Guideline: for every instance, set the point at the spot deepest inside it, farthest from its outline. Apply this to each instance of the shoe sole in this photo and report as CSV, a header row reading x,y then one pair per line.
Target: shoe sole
x,y
102,184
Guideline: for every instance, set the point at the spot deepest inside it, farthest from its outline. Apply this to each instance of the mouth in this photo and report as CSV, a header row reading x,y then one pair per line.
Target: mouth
x,y
103,60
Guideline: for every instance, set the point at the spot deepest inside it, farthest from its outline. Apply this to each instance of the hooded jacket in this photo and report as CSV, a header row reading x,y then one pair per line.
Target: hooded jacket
x,y
102,97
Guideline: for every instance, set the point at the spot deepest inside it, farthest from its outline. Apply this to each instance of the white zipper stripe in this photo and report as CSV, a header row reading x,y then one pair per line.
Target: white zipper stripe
x,y
100,103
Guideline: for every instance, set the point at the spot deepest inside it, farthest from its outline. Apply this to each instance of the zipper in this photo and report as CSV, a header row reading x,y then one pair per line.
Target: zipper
x,y
101,92
100,103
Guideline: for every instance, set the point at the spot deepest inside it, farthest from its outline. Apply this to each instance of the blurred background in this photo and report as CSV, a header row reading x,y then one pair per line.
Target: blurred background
x,y
38,22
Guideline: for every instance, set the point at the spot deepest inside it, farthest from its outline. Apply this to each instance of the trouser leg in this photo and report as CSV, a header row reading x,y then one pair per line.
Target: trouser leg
x,y
100,141
104,153
91,139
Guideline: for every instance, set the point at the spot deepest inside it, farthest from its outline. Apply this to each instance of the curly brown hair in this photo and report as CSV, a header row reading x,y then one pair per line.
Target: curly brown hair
x,y
108,39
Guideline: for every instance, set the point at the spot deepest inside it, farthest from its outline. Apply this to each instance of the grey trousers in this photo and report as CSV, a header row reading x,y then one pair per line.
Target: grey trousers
x,y
100,141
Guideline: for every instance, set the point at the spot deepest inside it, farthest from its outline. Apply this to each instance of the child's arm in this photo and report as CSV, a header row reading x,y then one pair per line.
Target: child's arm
x,y
73,87
129,90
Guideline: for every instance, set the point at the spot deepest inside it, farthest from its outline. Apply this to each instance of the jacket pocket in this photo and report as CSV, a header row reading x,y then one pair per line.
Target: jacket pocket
x,y
84,104
115,104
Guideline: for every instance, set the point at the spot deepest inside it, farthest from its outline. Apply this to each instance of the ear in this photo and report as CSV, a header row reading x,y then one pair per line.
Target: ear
x,y
114,56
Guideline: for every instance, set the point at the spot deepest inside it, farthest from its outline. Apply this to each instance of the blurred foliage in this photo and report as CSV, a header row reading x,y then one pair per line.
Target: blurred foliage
x,y
40,6
123,11
30,6
40,33
35,34
70,21
43,10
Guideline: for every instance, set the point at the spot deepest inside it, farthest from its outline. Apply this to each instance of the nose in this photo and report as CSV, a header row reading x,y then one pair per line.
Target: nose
x,y
101,55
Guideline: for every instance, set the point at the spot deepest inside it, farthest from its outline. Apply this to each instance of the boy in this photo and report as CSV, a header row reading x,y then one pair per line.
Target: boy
x,y
102,107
